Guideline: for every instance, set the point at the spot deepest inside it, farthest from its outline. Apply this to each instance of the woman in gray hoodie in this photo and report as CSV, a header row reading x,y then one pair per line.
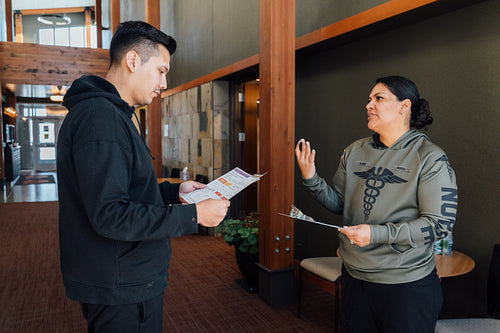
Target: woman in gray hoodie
x,y
397,194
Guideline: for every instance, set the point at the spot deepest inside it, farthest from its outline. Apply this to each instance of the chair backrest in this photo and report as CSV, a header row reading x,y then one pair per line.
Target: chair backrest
x,y
202,179
164,171
493,298
176,173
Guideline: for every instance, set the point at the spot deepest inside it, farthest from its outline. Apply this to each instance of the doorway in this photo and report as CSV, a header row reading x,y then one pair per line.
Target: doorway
x,y
245,138
45,131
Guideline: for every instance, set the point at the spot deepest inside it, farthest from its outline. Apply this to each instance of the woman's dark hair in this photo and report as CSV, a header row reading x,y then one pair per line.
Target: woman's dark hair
x,y
406,89
141,37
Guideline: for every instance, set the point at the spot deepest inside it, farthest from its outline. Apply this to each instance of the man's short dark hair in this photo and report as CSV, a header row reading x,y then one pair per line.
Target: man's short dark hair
x,y
140,37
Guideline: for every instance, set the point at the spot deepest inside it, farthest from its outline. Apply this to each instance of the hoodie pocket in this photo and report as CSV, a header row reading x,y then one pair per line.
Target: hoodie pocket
x,y
144,262
400,249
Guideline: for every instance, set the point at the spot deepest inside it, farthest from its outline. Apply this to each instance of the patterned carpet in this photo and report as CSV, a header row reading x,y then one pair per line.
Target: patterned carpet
x,y
203,295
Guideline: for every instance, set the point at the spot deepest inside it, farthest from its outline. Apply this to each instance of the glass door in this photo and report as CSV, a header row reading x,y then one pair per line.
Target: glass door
x,y
44,145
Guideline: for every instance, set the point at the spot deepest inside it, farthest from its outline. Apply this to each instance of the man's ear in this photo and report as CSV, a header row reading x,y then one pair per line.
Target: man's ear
x,y
131,58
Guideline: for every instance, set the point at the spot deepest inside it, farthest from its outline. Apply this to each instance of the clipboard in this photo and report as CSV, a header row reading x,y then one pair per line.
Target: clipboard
x,y
316,222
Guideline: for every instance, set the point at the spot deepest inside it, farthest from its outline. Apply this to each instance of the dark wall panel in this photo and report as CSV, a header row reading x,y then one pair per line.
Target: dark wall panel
x,y
453,58
212,34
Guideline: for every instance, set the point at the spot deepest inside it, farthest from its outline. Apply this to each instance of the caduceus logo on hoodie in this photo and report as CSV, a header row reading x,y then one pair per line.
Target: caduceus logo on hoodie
x,y
375,181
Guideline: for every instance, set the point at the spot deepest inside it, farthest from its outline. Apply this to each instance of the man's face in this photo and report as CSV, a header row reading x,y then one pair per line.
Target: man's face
x,y
151,77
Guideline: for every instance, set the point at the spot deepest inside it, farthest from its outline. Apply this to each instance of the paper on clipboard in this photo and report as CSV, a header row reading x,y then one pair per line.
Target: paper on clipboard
x,y
225,187
296,213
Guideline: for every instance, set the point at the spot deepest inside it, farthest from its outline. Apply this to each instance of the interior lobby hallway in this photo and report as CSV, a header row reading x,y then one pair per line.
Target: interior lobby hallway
x,y
202,296
30,192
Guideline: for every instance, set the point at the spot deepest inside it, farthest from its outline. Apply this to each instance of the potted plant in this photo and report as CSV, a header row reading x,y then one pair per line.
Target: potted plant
x,y
244,235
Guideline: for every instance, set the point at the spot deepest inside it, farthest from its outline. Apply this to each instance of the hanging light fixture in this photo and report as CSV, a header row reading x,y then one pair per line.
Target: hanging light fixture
x,y
57,94
10,111
56,98
54,19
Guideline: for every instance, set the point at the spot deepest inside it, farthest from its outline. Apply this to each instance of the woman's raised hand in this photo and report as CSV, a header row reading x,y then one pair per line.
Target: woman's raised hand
x,y
305,158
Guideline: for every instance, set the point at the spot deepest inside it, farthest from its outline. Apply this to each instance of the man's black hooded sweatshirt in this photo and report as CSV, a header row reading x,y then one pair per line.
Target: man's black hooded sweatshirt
x,y
115,220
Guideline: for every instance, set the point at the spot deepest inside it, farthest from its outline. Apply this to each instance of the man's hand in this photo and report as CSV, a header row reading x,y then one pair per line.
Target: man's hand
x,y
190,186
211,212
305,158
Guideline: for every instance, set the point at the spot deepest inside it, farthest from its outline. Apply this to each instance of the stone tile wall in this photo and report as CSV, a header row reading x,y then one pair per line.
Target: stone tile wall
x,y
195,125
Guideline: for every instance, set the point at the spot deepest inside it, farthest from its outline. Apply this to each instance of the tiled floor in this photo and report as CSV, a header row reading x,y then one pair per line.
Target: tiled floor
x,y
30,193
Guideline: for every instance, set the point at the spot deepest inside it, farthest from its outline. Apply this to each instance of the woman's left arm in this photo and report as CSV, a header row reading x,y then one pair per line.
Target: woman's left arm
x,y
437,202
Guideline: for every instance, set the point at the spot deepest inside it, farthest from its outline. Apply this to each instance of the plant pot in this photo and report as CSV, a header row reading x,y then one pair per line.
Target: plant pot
x,y
247,264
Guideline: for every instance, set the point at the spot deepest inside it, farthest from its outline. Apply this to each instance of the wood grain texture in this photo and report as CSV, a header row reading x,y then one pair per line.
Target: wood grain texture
x,y
276,131
458,264
49,65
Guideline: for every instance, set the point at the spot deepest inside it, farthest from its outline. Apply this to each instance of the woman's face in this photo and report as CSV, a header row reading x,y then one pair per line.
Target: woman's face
x,y
384,110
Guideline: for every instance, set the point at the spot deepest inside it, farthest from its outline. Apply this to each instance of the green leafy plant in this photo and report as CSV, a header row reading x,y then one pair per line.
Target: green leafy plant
x,y
242,233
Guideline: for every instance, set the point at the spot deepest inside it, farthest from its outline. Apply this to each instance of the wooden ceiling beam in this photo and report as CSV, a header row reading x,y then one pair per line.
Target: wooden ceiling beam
x,y
49,65
48,11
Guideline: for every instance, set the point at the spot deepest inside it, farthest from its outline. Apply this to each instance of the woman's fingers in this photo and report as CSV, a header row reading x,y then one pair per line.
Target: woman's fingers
x,y
359,234
305,158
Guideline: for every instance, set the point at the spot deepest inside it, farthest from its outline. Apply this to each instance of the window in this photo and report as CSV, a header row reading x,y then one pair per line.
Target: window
x,y
68,36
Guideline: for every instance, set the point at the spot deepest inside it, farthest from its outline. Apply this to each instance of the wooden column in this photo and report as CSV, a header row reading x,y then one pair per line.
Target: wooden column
x,y
19,27
26,63
2,163
88,23
153,125
98,22
276,149
114,7
8,20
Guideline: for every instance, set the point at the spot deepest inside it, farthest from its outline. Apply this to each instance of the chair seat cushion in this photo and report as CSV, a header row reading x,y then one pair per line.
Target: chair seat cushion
x,y
329,268
469,325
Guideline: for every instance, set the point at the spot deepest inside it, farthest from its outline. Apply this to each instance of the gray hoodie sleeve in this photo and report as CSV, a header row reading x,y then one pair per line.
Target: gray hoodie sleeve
x,y
437,201
330,197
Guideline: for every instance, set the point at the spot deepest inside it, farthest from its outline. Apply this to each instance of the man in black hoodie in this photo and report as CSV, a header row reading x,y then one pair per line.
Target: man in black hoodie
x,y
115,220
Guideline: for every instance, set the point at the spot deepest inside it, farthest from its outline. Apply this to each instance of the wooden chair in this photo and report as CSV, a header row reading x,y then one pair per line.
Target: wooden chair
x,y
489,324
328,269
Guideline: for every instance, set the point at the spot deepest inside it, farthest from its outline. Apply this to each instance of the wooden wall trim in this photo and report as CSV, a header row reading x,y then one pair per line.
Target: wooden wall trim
x,y
361,20
43,11
236,67
350,24
49,65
